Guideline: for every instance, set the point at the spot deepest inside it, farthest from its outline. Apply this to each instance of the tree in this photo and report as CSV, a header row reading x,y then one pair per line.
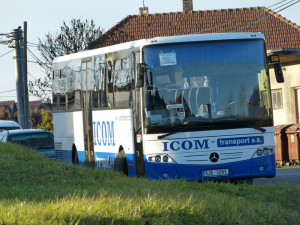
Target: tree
x,y
46,121
70,39
36,118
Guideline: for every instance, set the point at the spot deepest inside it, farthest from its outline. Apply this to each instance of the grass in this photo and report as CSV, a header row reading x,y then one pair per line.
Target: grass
x,y
35,190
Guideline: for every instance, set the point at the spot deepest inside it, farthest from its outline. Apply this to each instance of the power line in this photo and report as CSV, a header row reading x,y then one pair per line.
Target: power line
x,y
243,22
269,15
37,59
7,91
288,6
2,34
276,3
31,76
6,53
240,27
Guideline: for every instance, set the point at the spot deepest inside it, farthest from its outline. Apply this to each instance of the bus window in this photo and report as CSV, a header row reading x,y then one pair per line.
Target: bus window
x,y
122,83
74,101
110,86
59,102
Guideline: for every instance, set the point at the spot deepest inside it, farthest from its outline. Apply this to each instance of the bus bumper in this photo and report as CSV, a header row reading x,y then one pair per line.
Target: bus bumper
x,y
252,168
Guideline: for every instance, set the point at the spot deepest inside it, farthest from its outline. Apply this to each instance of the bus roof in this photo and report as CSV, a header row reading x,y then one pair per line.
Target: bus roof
x,y
159,40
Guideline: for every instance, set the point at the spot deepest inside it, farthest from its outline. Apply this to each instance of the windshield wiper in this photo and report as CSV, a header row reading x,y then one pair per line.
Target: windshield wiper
x,y
172,132
263,130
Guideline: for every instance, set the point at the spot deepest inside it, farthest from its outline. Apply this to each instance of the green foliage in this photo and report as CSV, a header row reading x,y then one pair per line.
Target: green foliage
x,y
37,190
46,121
36,118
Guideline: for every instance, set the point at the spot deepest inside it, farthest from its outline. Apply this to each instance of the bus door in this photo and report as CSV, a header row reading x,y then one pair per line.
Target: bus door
x,y
137,96
86,104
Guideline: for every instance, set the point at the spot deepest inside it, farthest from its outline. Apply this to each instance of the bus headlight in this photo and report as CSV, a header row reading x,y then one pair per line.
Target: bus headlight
x,y
263,151
157,158
160,158
165,158
259,152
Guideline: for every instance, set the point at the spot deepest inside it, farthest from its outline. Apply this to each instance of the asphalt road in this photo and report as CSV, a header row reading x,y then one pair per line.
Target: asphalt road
x,y
283,175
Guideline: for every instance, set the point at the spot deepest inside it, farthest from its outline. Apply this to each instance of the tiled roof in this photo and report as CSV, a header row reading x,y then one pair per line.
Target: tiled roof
x,y
35,103
279,32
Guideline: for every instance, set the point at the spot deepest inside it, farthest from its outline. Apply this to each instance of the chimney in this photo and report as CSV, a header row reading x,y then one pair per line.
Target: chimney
x,y
144,10
187,5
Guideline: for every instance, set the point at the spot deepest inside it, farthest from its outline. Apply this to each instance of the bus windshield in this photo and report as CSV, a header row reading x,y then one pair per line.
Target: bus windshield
x,y
206,85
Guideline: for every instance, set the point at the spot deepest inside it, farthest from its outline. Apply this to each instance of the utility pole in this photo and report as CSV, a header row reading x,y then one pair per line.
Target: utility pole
x,y
26,98
17,33
20,57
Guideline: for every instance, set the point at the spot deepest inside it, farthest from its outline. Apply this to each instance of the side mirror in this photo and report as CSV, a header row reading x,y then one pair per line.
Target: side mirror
x,y
278,73
140,75
275,60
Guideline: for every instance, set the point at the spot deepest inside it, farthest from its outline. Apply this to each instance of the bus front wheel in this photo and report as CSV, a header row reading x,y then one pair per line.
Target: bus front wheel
x,y
120,163
248,181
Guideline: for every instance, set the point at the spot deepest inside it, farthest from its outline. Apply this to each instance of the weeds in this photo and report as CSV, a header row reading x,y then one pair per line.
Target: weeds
x,y
36,190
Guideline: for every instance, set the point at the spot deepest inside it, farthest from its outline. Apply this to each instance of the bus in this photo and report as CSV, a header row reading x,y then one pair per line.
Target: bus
x,y
194,107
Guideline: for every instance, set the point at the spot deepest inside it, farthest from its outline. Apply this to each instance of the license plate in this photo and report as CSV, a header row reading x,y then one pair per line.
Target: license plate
x,y
215,173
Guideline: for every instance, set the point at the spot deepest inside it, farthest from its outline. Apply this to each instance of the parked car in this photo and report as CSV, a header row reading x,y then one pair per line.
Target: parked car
x,y
40,140
9,125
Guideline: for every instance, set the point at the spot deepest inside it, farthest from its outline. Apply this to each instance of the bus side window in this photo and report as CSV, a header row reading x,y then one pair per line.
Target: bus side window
x,y
73,98
122,83
110,85
59,102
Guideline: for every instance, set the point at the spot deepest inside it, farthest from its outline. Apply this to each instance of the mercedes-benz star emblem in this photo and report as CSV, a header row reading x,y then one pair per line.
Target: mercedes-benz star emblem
x,y
214,157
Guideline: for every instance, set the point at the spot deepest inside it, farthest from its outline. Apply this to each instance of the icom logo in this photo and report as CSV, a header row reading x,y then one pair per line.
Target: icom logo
x,y
185,145
104,134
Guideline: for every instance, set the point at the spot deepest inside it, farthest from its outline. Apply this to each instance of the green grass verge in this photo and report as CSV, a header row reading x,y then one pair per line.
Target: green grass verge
x,y
35,190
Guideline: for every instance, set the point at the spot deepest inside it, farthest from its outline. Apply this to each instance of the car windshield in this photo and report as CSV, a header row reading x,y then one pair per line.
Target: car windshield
x,y
33,140
10,128
209,83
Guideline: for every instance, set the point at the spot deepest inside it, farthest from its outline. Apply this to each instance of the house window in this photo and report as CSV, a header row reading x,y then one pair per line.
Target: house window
x,y
277,98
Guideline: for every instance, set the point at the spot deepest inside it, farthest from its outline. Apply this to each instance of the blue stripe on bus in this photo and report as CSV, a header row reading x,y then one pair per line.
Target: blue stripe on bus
x,y
243,169
66,156
237,170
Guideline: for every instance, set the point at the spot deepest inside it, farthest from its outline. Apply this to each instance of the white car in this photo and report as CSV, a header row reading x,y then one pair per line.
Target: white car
x,y
9,125
40,140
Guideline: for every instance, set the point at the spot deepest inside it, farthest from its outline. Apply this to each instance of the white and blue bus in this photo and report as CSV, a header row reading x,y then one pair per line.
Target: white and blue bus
x,y
194,107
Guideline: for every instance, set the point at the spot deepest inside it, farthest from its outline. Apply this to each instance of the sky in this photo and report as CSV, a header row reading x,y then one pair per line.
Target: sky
x,y
46,16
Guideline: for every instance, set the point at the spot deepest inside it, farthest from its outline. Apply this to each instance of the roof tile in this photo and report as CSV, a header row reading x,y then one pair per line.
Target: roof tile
x,y
279,32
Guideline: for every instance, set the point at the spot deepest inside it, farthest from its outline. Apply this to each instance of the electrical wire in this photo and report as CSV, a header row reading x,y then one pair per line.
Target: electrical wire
x,y
6,53
264,18
288,6
276,3
256,17
7,91
38,61
13,96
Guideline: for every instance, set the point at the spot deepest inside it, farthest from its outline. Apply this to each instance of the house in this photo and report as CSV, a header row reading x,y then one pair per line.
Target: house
x,y
282,38
10,107
37,105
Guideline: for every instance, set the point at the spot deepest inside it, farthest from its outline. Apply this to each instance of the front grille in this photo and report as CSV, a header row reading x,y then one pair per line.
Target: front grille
x,y
58,154
58,145
58,150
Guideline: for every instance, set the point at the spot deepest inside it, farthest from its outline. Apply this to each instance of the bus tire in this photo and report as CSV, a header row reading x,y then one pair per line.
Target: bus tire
x,y
75,159
120,163
248,181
